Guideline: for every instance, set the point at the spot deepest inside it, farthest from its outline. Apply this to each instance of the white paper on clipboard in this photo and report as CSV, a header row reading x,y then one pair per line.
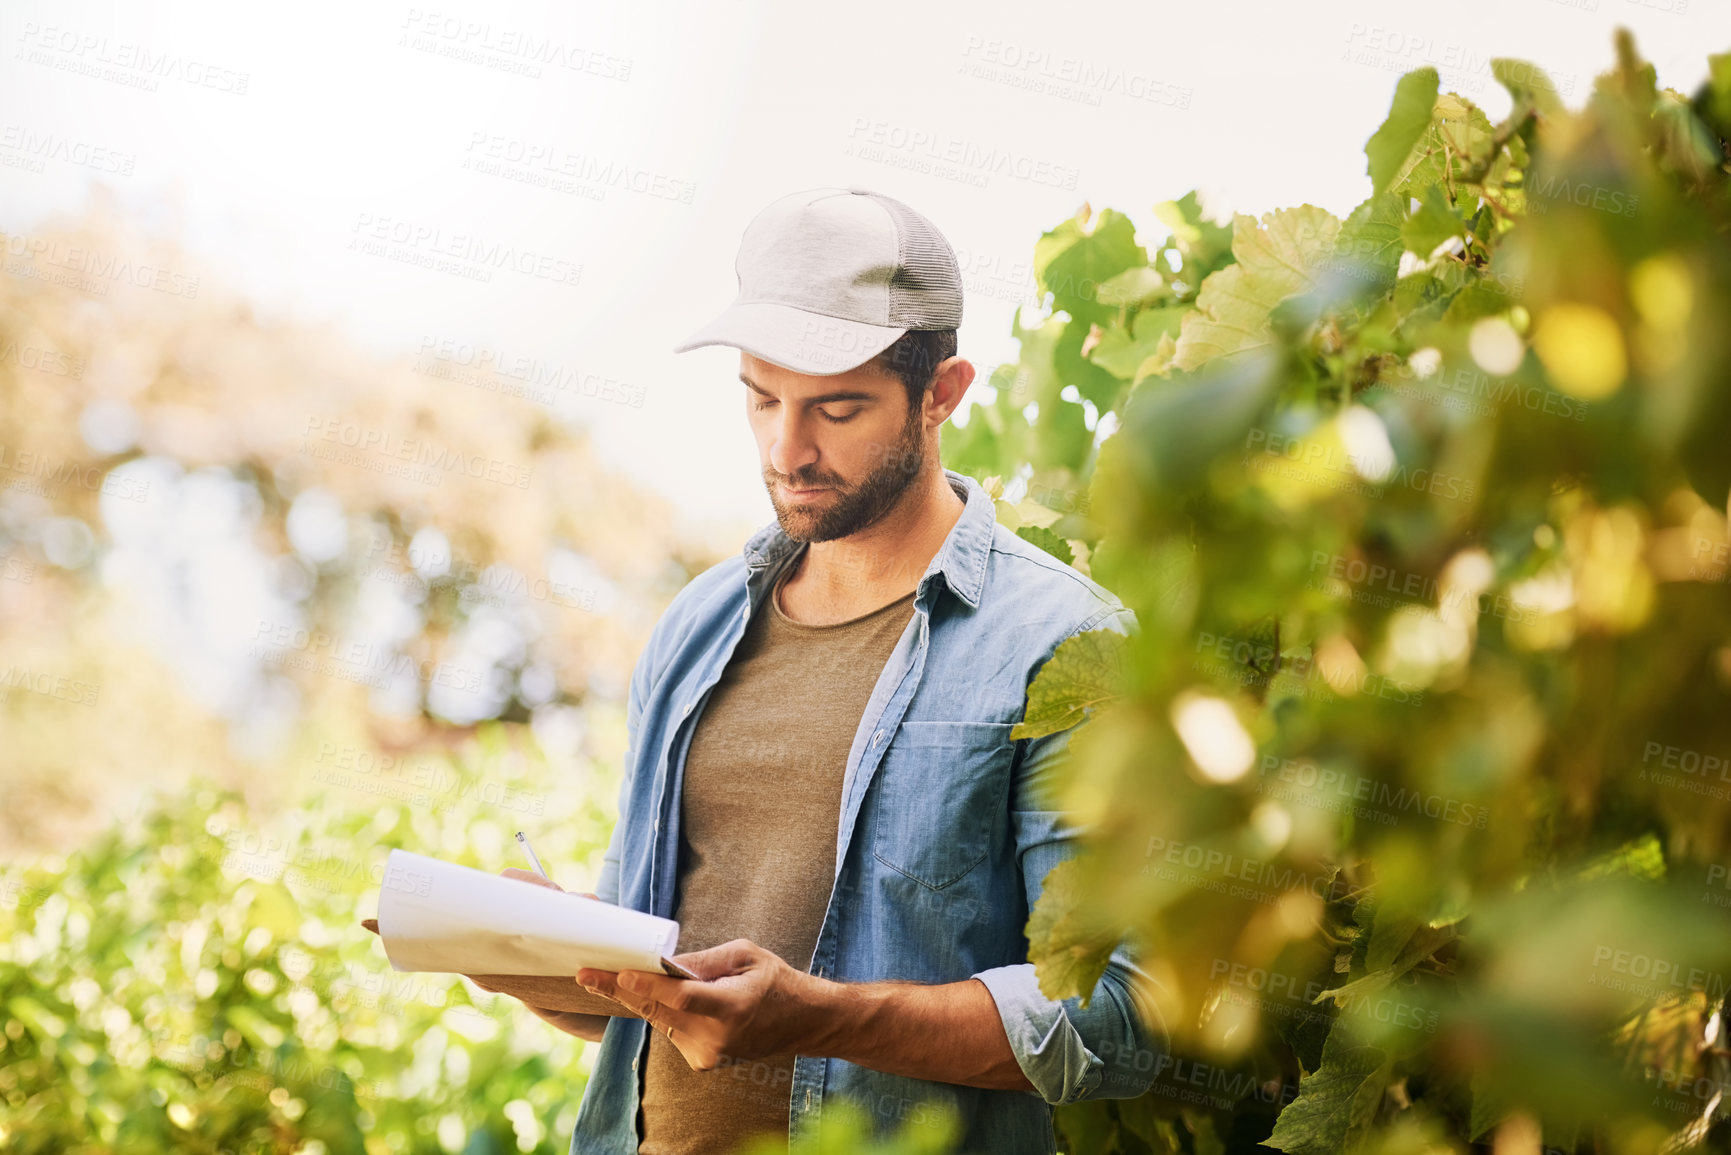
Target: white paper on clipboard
x,y
438,916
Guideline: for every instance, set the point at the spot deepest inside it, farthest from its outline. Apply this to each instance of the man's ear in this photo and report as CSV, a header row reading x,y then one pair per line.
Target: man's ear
x,y
950,381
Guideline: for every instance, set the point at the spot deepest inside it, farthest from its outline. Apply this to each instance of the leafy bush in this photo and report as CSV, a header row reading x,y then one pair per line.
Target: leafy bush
x,y
1414,786
197,980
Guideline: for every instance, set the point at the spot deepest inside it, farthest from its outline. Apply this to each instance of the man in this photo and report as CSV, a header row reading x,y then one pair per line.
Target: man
x,y
821,786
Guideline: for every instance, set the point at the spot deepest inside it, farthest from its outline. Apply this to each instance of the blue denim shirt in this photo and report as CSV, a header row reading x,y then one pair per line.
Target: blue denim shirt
x,y
942,843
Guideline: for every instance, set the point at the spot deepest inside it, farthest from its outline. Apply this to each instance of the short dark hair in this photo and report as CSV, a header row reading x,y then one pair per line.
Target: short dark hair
x,y
914,358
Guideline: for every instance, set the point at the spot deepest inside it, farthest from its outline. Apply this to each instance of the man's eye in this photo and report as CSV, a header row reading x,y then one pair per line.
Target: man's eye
x,y
827,416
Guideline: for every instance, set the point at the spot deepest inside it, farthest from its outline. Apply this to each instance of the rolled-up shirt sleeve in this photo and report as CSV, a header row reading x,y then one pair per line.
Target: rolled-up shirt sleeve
x,y
1112,1048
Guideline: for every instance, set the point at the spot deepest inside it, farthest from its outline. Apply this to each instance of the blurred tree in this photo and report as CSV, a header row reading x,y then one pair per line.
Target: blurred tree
x,y
1414,787
219,536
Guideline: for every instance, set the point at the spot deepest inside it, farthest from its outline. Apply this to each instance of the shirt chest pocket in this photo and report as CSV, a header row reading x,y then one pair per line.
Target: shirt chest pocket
x,y
938,796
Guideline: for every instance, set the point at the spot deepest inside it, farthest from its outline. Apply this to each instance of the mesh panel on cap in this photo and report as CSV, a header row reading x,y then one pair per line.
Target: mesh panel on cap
x,y
926,293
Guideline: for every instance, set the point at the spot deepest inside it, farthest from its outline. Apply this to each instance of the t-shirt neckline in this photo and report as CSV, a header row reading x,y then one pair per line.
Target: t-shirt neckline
x,y
781,616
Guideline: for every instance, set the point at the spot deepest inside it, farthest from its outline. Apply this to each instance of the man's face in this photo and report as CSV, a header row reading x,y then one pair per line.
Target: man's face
x,y
838,451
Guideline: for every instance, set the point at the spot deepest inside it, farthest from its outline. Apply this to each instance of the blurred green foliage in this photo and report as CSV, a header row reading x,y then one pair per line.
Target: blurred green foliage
x,y
197,980
1413,788
847,1129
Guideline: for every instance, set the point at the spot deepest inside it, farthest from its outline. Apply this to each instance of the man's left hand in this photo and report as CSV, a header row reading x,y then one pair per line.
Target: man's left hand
x,y
746,1004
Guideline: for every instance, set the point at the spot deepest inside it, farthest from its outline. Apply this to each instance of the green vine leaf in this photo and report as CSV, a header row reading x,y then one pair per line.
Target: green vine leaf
x,y
1074,260
1369,246
1069,949
1084,673
1047,540
1432,223
1408,117
1335,1103
1528,83
1276,259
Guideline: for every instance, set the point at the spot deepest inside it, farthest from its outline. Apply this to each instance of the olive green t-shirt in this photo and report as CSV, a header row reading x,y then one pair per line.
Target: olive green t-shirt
x,y
760,806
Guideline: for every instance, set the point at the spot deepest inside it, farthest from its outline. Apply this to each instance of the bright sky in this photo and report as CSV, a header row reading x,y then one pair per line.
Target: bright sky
x,y
272,140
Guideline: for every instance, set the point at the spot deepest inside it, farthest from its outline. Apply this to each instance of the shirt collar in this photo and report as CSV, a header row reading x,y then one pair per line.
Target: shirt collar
x,y
961,560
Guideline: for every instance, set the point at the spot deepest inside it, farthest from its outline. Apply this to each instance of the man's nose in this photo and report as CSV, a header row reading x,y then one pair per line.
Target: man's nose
x,y
792,448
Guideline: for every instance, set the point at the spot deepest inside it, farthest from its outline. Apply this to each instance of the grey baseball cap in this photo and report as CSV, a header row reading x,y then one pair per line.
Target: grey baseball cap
x,y
830,277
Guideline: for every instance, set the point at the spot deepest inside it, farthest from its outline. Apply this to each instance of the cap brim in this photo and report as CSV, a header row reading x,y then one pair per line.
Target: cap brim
x,y
809,343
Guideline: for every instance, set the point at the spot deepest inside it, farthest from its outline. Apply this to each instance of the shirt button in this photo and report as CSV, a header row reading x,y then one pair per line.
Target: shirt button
x,y
878,737
687,709
633,1064
656,826
808,1098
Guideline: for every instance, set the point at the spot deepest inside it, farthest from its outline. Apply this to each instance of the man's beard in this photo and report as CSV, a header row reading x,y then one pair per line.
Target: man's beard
x,y
852,510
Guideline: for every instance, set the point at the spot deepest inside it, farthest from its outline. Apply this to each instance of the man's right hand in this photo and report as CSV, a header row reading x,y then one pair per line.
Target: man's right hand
x,y
555,998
